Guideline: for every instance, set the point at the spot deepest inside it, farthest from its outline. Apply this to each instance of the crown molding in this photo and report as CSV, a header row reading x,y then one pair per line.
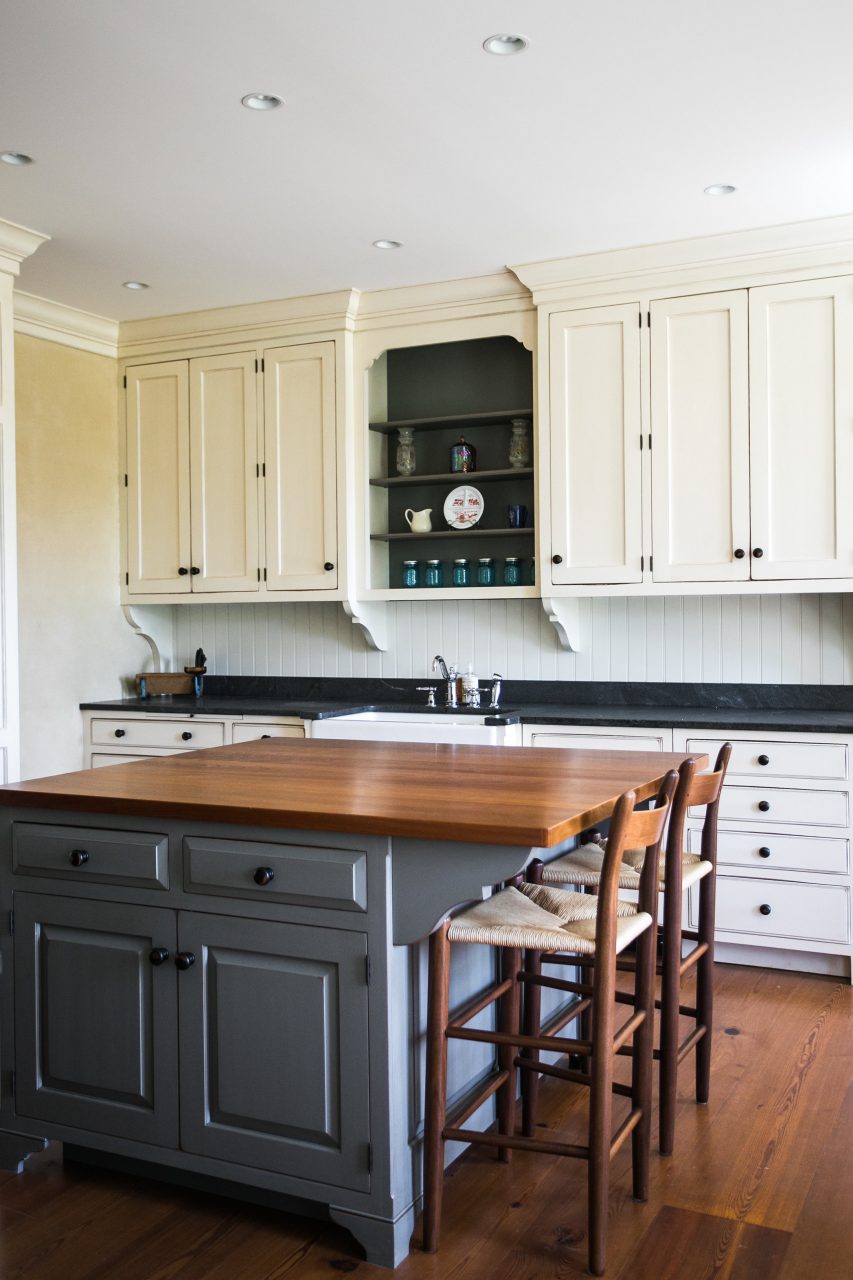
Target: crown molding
x,y
16,244
819,244
54,322
444,299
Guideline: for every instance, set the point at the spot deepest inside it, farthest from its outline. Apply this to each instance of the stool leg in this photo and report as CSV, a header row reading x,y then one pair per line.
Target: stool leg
x,y
670,999
705,985
641,1060
435,1100
508,1022
600,1116
532,1017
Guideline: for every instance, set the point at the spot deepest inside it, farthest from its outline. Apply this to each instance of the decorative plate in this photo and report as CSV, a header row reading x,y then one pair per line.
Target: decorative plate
x,y
463,507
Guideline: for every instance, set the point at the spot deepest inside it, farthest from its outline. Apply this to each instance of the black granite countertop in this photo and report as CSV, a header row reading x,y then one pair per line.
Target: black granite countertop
x,y
779,708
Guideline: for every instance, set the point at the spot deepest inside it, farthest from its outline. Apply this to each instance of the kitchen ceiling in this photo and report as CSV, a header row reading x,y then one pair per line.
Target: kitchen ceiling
x,y
396,124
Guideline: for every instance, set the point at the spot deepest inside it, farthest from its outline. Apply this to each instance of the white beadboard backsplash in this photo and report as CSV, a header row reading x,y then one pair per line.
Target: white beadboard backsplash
x,y
768,639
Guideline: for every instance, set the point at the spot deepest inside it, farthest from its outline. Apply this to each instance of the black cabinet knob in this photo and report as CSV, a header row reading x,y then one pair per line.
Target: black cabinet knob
x,y
77,857
158,955
184,959
186,735
556,559
757,552
183,571
764,805
764,852
119,733
739,553
765,908
328,566
763,759
263,875
195,569
266,735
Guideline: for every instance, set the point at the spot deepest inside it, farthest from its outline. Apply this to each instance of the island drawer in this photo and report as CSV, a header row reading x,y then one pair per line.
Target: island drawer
x,y
779,908
766,758
826,855
138,858
248,731
313,875
782,804
159,732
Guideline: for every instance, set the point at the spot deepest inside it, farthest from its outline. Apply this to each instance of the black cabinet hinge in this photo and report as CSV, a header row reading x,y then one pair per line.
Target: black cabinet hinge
x,y
259,574
12,1083
257,366
650,441
642,564
640,318
125,479
651,564
125,381
263,468
648,319
370,1157
257,471
11,922
265,575
641,442
127,579
262,364
367,970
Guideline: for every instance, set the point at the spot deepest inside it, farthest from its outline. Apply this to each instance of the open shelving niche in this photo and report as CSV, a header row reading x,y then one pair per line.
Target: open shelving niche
x,y
477,388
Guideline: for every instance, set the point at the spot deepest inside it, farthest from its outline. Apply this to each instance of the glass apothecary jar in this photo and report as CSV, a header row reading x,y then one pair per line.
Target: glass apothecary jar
x,y
486,572
512,572
461,573
411,573
434,574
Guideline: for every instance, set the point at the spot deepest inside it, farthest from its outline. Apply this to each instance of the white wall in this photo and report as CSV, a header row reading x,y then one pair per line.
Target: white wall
x,y
753,639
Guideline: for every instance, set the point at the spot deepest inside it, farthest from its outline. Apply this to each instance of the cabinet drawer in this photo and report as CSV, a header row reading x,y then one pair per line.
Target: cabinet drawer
x,y
804,912
764,758
106,857
301,873
187,734
597,741
771,853
247,732
782,804
101,758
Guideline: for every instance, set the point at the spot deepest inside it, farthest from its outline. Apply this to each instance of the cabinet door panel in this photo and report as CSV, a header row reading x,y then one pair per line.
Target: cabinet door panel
x,y
301,492
96,1022
801,407
274,1047
224,454
595,445
700,435
158,478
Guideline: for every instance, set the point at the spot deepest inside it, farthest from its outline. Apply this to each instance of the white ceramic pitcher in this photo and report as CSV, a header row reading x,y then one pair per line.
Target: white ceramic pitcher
x,y
419,521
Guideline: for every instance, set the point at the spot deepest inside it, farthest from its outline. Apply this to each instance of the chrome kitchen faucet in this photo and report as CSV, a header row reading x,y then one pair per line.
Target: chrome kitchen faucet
x,y
449,676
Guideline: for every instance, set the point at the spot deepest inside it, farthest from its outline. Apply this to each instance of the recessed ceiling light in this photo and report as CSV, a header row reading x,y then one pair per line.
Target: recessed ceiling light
x,y
15,157
720,189
135,284
261,101
505,43
387,244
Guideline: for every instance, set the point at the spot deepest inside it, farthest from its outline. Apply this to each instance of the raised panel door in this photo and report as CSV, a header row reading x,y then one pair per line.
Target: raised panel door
x,y
301,487
596,505
700,438
801,411
158,478
274,1047
95,1020
224,472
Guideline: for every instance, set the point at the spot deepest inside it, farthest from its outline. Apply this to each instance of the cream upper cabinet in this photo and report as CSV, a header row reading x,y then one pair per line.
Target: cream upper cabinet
x,y
224,472
700,438
801,411
595,424
158,478
192,465
301,496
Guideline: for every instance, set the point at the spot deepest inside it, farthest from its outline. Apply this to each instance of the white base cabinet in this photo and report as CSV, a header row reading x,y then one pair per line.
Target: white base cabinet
x,y
116,738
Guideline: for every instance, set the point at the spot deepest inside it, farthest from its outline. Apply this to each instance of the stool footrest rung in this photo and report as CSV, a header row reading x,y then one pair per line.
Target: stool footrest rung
x,y
473,1100
695,955
690,1042
555,1044
627,1030
480,1003
516,1143
627,1126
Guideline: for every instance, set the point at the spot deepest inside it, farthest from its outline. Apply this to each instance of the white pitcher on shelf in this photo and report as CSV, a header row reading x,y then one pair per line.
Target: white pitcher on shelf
x,y
419,521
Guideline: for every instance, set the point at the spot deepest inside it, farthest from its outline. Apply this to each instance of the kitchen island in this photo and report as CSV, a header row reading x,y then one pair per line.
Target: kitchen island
x,y
211,969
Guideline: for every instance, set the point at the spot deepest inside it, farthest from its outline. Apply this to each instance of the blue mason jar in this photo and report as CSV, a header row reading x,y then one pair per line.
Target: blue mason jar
x,y
411,573
461,573
512,572
434,573
485,572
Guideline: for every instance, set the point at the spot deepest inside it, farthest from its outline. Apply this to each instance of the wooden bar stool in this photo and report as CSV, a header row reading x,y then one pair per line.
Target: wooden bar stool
x,y
570,924
678,870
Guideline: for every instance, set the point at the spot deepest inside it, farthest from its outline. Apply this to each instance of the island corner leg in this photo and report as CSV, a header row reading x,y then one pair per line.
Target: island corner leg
x,y
385,1241
14,1149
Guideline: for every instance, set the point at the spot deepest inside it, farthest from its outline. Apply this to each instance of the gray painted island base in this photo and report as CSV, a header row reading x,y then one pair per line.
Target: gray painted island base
x,y
166,1001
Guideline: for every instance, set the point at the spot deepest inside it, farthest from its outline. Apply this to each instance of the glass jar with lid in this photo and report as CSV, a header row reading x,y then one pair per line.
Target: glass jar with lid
x,y
461,573
512,571
486,572
411,573
434,573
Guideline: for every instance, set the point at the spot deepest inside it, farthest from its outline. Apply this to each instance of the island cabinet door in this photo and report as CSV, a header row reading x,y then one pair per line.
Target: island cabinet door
x,y
273,1044
96,1017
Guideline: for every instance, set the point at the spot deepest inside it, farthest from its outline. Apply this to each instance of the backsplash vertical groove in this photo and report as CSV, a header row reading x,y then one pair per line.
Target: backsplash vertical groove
x,y
753,639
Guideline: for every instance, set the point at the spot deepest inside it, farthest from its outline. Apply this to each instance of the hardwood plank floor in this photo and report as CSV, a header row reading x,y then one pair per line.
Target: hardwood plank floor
x,y
759,1187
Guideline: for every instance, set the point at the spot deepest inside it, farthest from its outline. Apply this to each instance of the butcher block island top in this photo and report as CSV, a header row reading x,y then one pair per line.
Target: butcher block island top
x,y
495,795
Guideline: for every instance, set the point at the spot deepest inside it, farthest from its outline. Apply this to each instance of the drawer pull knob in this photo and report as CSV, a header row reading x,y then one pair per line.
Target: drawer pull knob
x,y
158,955
765,908
194,570
328,566
758,553
186,735
78,856
184,960
183,571
556,559
266,735
764,852
764,805
763,759
739,553
264,875
119,733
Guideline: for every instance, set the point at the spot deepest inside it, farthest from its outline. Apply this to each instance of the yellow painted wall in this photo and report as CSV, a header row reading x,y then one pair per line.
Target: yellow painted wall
x,y
75,644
